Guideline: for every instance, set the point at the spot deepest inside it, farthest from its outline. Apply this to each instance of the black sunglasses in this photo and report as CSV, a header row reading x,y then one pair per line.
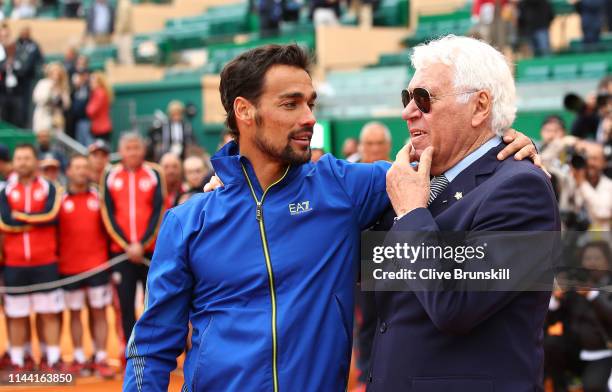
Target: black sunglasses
x,y
422,97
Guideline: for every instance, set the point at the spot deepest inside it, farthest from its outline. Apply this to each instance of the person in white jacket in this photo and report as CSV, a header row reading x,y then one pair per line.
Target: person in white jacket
x,y
51,98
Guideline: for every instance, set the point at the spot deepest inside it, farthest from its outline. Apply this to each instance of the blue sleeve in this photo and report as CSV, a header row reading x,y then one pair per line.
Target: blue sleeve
x,y
524,203
159,336
365,186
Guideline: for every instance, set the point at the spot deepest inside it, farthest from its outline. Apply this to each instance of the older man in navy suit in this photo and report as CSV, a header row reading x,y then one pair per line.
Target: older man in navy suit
x,y
458,104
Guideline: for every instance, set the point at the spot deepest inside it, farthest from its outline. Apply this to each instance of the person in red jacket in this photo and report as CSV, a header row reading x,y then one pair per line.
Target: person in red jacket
x,y
29,205
98,107
133,194
83,245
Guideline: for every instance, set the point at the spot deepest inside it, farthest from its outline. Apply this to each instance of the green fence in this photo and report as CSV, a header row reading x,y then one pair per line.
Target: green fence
x,y
11,136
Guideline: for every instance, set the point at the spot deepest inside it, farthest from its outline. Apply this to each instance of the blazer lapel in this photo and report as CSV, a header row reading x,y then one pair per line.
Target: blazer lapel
x,y
467,180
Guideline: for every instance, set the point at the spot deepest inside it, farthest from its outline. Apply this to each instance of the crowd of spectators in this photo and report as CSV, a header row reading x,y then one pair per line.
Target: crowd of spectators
x,y
524,25
67,97
126,203
578,341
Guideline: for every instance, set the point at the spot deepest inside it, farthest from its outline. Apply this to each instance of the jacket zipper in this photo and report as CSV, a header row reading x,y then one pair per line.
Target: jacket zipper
x,y
264,241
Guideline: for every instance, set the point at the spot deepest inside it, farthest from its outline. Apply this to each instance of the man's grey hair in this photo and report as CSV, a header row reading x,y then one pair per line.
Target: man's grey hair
x,y
130,136
476,65
170,155
375,124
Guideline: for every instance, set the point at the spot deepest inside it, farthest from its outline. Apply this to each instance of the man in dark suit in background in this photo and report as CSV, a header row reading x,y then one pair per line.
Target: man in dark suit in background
x,y
460,100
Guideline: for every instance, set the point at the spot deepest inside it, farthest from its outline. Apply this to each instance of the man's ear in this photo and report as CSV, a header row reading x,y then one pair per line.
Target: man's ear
x,y
244,110
482,108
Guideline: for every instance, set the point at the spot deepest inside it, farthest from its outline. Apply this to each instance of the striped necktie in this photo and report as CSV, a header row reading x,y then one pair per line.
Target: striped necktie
x,y
436,186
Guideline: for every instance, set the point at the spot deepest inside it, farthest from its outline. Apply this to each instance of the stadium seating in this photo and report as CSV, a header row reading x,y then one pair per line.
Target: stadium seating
x,y
364,93
391,59
220,54
221,20
605,45
392,13
223,31
217,24
98,56
11,136
562,7
432,26
560,67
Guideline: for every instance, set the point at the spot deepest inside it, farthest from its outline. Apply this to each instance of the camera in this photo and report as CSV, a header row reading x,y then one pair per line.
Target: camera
x,y
575,103
575,158
575,221
587,117
603,98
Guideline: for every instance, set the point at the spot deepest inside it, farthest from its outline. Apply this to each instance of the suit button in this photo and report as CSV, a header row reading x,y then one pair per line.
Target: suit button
x,y
383,327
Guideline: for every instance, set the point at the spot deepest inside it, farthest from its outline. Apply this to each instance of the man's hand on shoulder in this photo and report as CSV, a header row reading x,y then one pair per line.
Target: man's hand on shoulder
x,y
214,183
522,147
407,187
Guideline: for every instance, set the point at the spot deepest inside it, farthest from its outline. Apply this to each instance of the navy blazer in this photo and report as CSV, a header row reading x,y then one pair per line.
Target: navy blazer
x,y
447,341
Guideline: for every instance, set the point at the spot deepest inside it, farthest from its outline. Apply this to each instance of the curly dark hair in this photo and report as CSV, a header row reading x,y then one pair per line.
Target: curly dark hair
x,y
244,76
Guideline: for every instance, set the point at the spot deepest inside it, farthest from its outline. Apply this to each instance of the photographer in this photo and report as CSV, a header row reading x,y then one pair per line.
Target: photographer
x,y
581,169
592,186
583,190
590,314
590,111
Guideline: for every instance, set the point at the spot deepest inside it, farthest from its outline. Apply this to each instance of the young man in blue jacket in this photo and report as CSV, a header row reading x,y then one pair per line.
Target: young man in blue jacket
x,y
264,267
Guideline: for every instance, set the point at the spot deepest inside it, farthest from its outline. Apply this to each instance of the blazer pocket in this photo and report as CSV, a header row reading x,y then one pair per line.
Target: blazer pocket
x,y
452,384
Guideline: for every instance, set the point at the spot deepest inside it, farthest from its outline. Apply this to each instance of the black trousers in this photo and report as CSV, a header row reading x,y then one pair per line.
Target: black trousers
x,y
365,331
126,275
561,360
596,374
11,110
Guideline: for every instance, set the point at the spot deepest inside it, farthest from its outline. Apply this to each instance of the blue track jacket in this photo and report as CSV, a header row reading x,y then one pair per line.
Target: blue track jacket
x,y
266,279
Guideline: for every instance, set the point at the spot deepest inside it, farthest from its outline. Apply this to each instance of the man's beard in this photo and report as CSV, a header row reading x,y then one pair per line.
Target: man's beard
x,y
25,173
287,155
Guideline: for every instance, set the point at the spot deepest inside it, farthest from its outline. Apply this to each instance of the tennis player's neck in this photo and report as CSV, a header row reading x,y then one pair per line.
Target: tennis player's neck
x,y
268,173
267,170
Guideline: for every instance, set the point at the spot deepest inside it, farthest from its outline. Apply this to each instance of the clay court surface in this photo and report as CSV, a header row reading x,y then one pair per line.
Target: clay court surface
x,y
88,384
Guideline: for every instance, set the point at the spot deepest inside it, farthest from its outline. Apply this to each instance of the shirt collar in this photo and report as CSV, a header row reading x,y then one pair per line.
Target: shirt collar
x,y
228,163
472,157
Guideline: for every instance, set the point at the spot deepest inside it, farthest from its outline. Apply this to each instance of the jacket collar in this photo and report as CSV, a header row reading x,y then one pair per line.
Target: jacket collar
x,y
467,180
228,163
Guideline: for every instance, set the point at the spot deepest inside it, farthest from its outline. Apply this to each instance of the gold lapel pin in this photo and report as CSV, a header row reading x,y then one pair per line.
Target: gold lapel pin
x,y
458,195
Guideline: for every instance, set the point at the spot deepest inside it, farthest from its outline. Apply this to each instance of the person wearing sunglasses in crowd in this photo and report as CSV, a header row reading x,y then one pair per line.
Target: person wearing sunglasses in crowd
x,y
263,268
446,335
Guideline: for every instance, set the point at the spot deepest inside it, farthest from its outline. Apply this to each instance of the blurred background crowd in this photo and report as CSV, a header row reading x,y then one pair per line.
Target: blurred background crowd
x,y
77,76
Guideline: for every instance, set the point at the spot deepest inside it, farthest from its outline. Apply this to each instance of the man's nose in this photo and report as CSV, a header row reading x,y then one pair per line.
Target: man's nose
x,y
411,112
309,118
